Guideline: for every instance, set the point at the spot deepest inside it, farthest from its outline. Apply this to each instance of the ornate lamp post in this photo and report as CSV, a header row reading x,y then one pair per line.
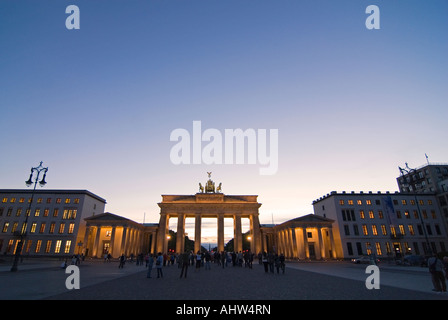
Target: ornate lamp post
x,y
22,233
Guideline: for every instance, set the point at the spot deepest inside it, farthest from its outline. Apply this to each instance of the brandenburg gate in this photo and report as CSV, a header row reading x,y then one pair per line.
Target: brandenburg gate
x,y
209,202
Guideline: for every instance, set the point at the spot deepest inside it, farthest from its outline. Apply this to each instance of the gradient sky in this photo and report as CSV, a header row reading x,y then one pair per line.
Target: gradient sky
x,y
97,105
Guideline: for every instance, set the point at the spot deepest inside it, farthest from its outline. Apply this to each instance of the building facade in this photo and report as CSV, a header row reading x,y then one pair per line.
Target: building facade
x,y
388,225
53,222
430,178
304,238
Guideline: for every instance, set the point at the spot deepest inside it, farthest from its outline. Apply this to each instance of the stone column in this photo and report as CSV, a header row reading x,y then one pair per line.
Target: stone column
x,y
180,238
255,245
96,242
321,243
305,243
295,254
123,240
238,237
333,247
161,234
112,242
220,232
86,240
197,233
153,242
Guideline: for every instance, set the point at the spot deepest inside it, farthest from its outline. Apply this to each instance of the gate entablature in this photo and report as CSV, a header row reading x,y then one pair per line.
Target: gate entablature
x,y
209,204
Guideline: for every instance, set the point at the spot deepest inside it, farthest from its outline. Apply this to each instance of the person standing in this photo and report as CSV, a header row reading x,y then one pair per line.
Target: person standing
x,y
122,260
149,264
435,266
159,265
184,261
198,260
264,259
208,259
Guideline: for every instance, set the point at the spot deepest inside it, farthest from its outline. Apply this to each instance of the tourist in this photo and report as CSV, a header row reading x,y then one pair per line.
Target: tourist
x,y
149,264
208,259
435,266
122,260
159,265
264,259
198,260
271,260
184,261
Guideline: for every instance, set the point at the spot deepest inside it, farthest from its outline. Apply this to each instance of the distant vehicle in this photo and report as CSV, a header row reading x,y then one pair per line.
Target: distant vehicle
x,y
364,259
415,260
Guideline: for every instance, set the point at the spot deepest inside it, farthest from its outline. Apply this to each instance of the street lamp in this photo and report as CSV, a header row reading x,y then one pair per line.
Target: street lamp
x,y
22,233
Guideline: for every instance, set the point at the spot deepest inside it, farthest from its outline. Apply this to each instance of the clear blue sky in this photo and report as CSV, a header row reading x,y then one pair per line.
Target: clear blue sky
x,y
97,105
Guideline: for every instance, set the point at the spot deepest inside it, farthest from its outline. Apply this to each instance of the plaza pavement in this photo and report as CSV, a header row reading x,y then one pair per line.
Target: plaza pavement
x,y
301,281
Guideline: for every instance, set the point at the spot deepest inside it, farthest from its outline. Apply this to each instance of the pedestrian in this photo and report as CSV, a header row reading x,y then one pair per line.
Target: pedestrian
x,y
264,259
198,260
122,260
149,264
271,261
184,261
223,258
208,259
159,265
445,266
435,266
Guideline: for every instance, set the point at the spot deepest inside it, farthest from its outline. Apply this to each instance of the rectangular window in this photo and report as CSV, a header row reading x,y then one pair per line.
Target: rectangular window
x,y
380,214
71,228
361,214
5,227
401,227
48,246
52,226
384,230
33,227
37,212
19,212
355,230
346,230
371,215
61,227
57,248
378,248
365,230
42,227
68,243
38,245
374,230
411,229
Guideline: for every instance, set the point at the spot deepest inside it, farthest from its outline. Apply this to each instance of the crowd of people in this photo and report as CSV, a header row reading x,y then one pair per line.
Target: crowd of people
x,y
204,260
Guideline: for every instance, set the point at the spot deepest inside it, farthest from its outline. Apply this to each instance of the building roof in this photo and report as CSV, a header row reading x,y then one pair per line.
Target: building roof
x,y
54,191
